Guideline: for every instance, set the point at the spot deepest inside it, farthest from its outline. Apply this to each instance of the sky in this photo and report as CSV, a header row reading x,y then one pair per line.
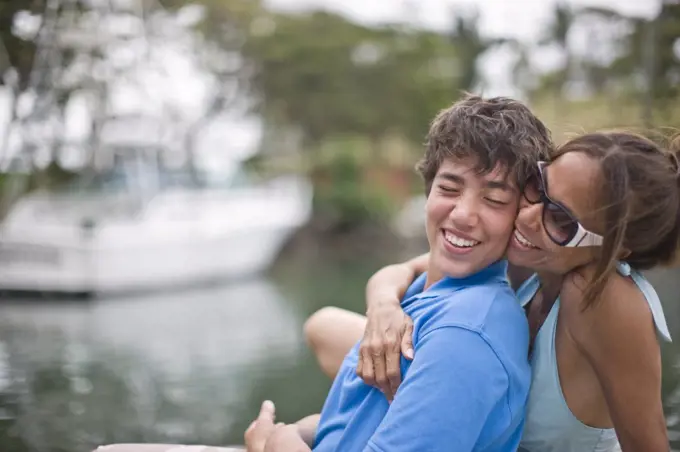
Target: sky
x,y
515,18
185,88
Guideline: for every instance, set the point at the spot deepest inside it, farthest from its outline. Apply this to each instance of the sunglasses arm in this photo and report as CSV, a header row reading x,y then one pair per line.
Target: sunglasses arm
x,y
585,238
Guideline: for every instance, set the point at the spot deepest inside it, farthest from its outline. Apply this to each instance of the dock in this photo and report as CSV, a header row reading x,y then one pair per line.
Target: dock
x,y
165,448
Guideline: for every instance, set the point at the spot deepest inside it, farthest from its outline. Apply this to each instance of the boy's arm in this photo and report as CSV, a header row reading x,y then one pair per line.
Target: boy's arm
x,y
298,437
451,388
286,439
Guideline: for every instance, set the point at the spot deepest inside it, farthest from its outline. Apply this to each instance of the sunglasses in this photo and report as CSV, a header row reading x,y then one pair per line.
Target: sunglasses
x,y
561,225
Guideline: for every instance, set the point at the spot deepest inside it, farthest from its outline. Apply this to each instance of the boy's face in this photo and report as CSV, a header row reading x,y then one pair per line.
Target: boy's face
x,y
470,218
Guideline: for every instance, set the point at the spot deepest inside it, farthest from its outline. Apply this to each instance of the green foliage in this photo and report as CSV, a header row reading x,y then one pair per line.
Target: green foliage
x,y
17,53
344,201
322,78
642,49
471,45
330,77
667,61
226,24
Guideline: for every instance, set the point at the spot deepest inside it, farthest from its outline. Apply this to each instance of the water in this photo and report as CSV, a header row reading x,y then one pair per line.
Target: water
x,y
191,366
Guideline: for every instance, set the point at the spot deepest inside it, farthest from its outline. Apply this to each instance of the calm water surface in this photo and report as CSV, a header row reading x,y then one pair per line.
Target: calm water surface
x,y
190,366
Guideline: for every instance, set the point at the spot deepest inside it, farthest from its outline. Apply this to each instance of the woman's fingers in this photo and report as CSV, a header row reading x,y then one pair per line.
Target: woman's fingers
x,y
407,340
367,373
393,370
380,369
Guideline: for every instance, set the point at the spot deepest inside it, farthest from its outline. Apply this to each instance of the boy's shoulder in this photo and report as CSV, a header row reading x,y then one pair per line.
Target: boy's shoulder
x,y
477,307
479,302
489,308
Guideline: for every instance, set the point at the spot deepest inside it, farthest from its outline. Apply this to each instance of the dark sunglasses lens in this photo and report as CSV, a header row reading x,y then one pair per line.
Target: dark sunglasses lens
x,y
559,225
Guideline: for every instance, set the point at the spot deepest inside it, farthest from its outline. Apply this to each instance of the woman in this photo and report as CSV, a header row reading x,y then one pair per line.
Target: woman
x,y
607,206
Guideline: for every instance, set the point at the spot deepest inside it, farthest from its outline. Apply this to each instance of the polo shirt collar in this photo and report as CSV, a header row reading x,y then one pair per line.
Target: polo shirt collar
x,y
494,272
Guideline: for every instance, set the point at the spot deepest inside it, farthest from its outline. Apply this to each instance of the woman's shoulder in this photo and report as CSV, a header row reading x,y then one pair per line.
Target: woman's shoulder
x,y
621,309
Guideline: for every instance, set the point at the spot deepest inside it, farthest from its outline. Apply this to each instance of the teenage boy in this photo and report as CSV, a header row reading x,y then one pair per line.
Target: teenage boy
x,y
466,388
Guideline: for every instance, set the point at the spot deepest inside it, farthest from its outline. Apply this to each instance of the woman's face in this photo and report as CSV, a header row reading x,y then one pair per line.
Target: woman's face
x,y
573,182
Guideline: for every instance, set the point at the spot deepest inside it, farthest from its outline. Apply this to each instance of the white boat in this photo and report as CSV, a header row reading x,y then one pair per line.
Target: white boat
x,y
129,230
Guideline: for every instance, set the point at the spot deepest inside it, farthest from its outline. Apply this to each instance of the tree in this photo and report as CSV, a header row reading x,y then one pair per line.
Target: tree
x,y
664,69
220,35
471,45
650,54
329,77
557,34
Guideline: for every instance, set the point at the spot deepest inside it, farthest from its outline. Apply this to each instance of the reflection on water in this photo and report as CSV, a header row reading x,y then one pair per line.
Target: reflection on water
x,y
171,366
189,366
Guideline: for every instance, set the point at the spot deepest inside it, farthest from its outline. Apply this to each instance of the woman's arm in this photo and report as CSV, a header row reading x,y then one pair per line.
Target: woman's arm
x,y
389,284
389,331
331,332
618,338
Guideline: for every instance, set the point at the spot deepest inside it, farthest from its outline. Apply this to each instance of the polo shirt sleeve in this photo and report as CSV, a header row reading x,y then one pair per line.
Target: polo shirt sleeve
x,y
450,391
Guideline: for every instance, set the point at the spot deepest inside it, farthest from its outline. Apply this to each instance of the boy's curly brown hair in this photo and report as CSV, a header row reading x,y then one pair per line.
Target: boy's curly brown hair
x,y
495,131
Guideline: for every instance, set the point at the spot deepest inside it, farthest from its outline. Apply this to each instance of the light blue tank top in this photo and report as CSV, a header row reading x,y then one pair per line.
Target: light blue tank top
x,y
550,425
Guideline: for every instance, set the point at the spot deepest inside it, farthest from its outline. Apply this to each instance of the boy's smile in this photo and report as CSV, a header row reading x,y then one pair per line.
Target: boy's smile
x,y
470,218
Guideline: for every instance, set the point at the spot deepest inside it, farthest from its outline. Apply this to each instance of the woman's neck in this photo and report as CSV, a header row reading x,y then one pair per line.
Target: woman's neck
x,y
551,280
551,284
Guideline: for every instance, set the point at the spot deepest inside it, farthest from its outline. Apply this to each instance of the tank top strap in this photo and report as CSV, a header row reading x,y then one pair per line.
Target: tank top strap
x,y
650,295
528,289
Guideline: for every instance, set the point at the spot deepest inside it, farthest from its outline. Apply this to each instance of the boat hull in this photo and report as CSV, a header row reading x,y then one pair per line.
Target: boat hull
x,y
138,266
176,240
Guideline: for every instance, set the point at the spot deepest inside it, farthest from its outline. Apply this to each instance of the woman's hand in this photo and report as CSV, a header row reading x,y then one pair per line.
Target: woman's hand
x,y
388,335
389,331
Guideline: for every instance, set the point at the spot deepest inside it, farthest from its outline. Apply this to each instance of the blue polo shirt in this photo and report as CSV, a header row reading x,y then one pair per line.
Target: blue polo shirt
x,y
465,389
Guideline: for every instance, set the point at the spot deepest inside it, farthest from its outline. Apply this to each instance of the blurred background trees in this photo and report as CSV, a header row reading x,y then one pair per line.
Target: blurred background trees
x,y
328,92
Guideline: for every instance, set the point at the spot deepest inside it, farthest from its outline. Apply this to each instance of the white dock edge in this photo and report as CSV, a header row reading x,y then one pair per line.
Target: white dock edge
x,y
164,448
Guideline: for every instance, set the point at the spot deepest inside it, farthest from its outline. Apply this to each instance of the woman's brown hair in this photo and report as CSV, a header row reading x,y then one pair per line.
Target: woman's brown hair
x,y
640,196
